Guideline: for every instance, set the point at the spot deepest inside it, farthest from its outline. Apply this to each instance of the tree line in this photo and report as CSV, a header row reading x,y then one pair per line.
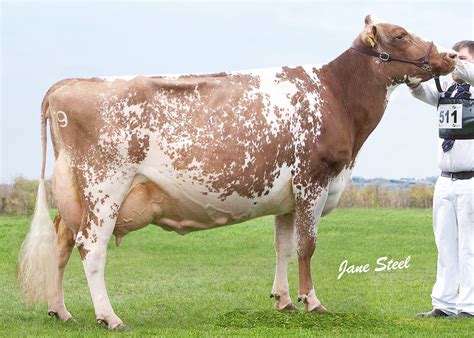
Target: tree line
x,y
19,198
375,196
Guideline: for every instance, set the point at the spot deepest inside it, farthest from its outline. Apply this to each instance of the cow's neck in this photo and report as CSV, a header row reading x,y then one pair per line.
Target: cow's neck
x,y
364,92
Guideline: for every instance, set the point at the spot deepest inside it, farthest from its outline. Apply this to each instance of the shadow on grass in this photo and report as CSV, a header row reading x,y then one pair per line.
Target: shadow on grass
x,y
275,319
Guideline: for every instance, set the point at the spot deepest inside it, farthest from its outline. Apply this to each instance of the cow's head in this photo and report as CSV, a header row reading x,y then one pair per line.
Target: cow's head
x,y
397,42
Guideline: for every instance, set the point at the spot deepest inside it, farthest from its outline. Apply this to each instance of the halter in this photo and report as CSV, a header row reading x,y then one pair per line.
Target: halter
x,y
423,62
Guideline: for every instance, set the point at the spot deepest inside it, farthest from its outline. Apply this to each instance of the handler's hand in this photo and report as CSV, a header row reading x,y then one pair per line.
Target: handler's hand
x,y
464,71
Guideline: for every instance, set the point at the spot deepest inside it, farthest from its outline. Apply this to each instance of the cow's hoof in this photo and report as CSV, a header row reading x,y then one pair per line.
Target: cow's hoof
x,y
120,327
65,317
112,325
290,307
319,309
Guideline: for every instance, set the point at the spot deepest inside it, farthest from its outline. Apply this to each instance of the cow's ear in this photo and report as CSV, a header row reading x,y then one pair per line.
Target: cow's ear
x,y
372,19
369,36
368,20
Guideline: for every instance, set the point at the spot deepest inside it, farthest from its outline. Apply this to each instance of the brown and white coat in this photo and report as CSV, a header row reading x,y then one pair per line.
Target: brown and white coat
x,y
193,152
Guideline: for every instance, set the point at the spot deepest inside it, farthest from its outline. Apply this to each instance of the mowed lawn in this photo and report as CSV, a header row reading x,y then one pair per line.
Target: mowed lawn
x,y
218,282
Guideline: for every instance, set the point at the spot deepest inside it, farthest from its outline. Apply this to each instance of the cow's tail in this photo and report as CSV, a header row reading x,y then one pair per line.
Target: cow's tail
x,y
38,258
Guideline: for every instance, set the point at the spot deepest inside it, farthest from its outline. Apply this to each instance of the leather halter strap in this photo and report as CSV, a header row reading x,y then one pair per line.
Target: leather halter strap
x,y
422,63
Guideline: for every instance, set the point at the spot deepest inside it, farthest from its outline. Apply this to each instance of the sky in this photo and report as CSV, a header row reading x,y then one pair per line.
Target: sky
x,y
43,42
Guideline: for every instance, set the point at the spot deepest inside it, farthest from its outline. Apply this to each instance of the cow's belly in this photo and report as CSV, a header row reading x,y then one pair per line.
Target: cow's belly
x,y
183,206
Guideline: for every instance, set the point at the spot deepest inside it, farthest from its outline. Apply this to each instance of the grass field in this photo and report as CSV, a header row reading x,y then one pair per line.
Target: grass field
x,y
218,282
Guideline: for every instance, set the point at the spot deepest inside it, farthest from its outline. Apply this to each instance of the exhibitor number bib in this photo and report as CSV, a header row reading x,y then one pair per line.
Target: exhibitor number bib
x,y
450,116
456,118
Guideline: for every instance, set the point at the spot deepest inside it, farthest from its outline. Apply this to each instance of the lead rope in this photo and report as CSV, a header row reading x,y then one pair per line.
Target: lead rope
x,y
438,84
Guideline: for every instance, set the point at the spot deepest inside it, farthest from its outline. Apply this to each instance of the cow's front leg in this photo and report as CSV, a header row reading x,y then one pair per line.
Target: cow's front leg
x,y
284,244
307,216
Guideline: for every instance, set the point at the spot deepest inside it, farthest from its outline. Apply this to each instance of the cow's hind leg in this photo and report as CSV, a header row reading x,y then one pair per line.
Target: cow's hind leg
x,y
65,244
284,244
307,216
99,222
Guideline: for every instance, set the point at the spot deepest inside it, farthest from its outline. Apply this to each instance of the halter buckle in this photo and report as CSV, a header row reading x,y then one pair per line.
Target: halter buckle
x,y
384,56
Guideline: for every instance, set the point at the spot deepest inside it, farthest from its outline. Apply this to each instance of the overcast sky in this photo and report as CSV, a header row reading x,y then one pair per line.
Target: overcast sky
x,y
43,42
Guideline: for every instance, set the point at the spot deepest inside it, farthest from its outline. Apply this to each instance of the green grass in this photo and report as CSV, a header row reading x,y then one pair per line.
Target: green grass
x,y
218,282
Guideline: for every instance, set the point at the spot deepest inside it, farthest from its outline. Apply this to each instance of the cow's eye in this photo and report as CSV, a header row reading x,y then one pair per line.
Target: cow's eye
x,y
400,36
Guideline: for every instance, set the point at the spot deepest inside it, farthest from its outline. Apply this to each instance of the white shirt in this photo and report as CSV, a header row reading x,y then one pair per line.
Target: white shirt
x,y
461,156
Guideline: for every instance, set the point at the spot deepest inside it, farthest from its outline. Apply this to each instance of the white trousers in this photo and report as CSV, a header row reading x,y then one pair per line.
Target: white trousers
x,y
453,225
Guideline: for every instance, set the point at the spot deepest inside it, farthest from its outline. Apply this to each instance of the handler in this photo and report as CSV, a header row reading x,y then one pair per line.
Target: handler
x,y
453,202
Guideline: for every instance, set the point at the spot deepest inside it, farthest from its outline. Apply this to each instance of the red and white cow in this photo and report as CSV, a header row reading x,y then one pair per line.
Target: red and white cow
x,y
194,152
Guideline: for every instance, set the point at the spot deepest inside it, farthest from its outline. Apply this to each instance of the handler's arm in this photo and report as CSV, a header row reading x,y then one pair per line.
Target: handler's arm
x,y
426,93
465,70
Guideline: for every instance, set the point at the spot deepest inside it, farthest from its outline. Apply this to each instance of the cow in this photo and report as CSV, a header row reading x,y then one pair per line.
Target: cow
x,y
194,152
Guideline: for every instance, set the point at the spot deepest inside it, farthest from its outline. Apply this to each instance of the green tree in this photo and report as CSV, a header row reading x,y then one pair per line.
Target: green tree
x,y
21,199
